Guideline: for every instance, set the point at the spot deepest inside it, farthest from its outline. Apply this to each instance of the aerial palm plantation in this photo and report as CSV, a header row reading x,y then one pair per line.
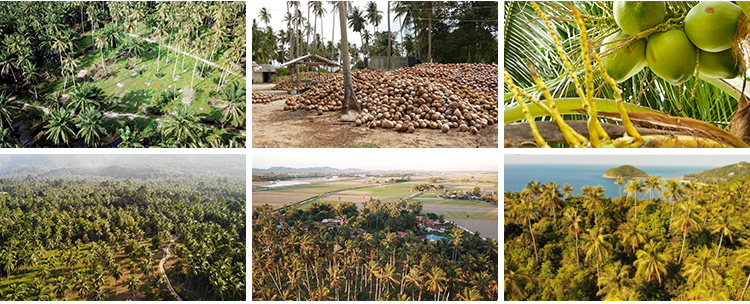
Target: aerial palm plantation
x,y
688,242
618,74
367,257
96,238
110,65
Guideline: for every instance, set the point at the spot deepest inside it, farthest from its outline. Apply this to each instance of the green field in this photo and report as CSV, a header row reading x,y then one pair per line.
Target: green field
x,y
130,96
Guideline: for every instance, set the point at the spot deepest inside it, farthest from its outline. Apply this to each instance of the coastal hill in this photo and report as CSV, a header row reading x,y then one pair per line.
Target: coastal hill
x,y
721,174
625,172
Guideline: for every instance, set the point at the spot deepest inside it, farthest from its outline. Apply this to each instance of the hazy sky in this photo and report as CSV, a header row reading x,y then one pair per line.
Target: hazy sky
x,y
379,159
719,160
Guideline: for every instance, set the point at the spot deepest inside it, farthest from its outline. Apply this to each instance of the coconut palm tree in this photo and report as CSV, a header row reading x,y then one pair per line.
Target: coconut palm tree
x,y
633,235
573,222
91,126
86,96
516,279
357,22
653,185
673,190
726,224
525,212
8,107
593,195
743,259
615,283
374,16
687,221
567,190
134,283
550,198
598,247
634,187
619,182
264,15
651,262
435,280
182,126
702,266
234,96
60,126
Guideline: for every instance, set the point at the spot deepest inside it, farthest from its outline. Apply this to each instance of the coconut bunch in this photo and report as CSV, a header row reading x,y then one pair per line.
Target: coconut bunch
x,y
285,83
436,96
702,41
265,98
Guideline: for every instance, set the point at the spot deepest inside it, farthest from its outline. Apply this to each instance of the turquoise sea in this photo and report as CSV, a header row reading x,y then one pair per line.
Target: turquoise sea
x,y
518,175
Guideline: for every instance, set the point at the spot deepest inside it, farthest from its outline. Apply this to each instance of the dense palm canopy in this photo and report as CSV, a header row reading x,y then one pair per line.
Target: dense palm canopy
x,y
699,254
529,44
102,54
102,239
375,254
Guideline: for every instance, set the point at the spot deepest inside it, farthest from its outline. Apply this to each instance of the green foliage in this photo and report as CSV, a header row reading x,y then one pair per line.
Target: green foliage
x,y
648,255
626,172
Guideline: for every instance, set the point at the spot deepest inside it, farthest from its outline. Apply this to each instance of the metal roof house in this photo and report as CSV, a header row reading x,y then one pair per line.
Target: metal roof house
x,y
262,72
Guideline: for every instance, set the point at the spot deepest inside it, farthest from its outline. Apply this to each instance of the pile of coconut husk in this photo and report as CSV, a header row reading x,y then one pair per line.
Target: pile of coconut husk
x,y
436,96
265,98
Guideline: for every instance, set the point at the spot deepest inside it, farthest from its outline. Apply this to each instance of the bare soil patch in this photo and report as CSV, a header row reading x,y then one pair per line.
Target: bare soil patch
x,y
485,228
275,128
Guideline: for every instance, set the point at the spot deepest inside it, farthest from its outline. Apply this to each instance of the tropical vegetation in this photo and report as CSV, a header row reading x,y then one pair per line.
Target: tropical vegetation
x,y
374,254
442,32
121,70
566,63
102,239
687,241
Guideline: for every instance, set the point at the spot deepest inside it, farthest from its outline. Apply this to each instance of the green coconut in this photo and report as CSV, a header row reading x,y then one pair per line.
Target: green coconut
x,y
671,55
711,25
719,65
625,62
634,17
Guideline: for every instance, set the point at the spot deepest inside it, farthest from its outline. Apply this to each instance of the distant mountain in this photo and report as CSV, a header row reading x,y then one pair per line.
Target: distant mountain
x,y
721,174
624,172
121,166
306,170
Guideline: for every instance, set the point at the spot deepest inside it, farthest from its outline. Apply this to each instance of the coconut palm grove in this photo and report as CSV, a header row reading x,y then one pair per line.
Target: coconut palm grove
x,y
334,251
122,74
681,240
121,234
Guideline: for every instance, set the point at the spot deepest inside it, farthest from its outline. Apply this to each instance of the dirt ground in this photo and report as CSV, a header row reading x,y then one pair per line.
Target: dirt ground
x,y
272,127
485,228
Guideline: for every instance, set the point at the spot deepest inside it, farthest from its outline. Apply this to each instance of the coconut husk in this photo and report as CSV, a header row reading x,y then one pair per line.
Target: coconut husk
x,y
739,126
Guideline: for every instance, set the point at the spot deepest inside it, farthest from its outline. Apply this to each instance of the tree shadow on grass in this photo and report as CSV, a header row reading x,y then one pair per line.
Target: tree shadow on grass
x,y
132,101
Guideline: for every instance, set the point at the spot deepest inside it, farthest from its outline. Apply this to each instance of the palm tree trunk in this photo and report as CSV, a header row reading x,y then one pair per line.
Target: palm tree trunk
x,y
745,289
577,259
533,242
103,65
158,45
718,249
195,64
684,235
670,217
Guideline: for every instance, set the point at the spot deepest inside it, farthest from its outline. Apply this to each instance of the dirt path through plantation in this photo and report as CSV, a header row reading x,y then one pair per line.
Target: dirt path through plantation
x,y
191,55
275,128
164,273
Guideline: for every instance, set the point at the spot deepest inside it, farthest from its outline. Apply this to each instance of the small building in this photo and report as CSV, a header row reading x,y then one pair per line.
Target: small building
x,y
397,62
434,238
262,72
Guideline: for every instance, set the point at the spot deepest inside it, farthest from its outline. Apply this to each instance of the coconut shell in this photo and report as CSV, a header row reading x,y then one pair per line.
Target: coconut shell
x,y
719,65
711,25
625,62
634,17
671,55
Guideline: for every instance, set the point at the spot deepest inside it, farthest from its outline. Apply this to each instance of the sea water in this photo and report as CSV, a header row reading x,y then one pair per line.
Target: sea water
x,y
517,176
